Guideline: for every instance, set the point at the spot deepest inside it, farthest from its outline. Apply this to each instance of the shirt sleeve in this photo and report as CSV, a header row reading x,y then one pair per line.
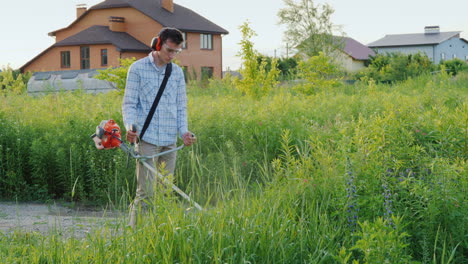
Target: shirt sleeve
x,y
130,100
181,104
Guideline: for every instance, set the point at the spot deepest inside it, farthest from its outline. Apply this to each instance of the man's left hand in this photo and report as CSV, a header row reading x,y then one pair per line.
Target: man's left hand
x,y
189,138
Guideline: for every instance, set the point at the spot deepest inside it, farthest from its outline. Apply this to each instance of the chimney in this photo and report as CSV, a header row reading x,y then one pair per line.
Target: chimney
x,y
117,24
80,10
168,5
431,30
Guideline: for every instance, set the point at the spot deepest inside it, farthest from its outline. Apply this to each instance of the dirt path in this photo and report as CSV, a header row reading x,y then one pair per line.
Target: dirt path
x,y
45,218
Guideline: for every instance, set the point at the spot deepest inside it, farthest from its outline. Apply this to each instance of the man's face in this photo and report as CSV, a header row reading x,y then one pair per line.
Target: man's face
x,y
169,50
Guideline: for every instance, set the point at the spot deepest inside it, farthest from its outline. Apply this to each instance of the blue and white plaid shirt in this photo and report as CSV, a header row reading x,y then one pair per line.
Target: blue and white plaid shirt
x,y
143,82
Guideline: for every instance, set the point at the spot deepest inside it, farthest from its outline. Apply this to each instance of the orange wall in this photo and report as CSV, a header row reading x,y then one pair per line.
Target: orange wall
x,y
136,55
140,27
195,58
51,60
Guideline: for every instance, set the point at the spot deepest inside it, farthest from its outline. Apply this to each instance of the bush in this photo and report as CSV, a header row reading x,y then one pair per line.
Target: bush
x,y
257,80
319,73
286,66
454,66
395,67
117,76
12,81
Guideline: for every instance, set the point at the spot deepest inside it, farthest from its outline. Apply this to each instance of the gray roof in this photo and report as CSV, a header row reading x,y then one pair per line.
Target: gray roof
x,y
98,35
103,35
413,39
182,18
355,49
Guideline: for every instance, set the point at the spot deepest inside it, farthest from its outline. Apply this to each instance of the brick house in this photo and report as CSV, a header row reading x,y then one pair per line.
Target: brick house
x,y
115,29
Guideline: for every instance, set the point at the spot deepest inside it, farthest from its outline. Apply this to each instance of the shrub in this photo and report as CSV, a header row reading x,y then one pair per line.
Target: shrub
x,y
286,66
454,66
257,80
319,73
394,67
12,81
118,75
382,243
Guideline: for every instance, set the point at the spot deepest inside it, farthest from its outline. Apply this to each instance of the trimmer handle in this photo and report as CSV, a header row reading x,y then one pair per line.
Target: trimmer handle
x,y
133,128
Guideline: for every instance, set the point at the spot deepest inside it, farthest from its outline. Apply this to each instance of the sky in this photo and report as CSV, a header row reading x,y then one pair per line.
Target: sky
x,y
25,24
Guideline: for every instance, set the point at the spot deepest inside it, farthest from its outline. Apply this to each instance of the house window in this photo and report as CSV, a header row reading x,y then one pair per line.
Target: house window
x,y
206,41
206,73
184,44
466,58
84,55
65,59
103,57
442,56
454,56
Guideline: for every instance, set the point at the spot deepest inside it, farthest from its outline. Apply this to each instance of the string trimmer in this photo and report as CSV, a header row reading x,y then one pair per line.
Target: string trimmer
x,y
108,136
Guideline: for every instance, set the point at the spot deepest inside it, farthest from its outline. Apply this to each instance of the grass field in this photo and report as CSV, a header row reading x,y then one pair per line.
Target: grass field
x,y
364,173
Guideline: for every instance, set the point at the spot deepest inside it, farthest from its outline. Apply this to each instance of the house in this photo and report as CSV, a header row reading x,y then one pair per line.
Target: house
x,y
351,54
438,46
118,29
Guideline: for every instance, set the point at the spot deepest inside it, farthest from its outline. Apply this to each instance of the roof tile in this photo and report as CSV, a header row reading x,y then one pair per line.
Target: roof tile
x,y
413,39
103,35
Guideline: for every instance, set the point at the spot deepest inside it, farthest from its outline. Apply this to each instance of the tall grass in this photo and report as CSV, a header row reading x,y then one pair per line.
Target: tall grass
x,y
323,178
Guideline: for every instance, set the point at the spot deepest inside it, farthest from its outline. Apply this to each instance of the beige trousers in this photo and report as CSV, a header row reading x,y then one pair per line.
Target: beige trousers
x,y
146,180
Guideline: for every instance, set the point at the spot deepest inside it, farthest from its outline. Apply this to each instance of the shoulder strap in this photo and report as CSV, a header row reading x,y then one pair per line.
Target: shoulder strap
x,y
156,100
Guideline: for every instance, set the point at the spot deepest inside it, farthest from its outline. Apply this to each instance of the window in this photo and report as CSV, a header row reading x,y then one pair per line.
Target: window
x,y
184,44
206,73
442,56
206,41
466,58
84,55
104,57
65,59
454,56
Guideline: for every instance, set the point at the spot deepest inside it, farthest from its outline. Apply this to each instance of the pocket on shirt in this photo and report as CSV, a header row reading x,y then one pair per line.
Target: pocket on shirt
x,y
170,94
148,93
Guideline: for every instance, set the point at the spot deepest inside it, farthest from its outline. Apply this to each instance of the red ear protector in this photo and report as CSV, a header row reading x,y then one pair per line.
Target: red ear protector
x,y
156,43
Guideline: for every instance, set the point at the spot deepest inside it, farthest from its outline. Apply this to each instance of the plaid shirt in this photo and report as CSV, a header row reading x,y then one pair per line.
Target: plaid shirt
x,y
170,117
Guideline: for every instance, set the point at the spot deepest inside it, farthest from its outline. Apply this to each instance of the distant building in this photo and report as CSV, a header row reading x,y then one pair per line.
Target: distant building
x,y
438,46
351,54
115,29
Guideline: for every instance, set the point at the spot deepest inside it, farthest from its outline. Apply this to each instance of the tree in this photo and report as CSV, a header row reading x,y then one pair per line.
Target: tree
x,y
257,80
309,28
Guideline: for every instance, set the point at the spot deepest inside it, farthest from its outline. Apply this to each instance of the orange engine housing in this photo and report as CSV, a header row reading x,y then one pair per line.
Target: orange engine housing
x,y
112,135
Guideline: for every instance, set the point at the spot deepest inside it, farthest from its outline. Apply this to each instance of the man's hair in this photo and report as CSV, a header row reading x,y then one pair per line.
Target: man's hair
x,y
172,34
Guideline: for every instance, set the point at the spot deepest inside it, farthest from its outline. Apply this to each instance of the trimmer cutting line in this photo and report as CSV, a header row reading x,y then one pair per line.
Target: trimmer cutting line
x,y
108,136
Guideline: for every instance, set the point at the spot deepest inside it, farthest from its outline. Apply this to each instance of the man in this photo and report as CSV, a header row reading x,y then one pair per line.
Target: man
x,y
143,82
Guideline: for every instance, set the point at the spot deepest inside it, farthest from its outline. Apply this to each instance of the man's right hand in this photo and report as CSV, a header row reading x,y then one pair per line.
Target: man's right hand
x,y
132,136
